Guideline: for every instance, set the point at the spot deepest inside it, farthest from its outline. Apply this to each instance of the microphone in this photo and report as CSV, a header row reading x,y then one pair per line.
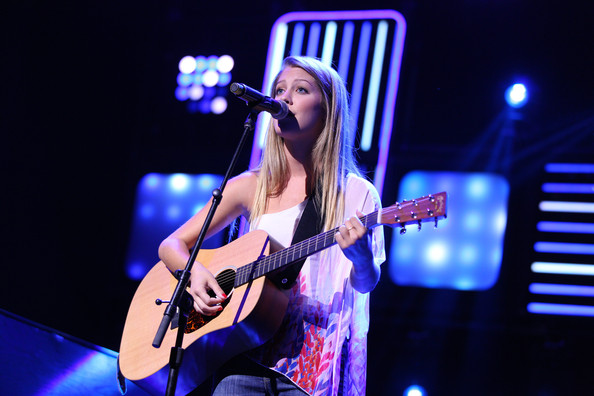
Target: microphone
x,y
258,101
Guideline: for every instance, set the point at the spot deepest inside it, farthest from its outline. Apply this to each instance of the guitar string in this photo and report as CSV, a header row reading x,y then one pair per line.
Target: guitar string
x,y
278,259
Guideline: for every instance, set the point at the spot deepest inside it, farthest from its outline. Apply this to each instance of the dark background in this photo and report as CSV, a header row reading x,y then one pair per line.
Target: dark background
x,y
88,108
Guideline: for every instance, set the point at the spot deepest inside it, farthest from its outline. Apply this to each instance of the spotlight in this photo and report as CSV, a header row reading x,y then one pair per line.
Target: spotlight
x,y
199,77
187,64
414,390
225,64
516,95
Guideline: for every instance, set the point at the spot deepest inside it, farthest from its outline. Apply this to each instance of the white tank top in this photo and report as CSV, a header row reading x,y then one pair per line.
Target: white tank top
x,y
281,226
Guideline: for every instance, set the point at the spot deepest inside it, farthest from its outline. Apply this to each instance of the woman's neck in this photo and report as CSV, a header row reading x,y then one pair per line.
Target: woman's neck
x,y
299,160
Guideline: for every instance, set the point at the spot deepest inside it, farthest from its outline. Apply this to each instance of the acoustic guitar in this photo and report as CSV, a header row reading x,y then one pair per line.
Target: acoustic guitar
x,y
251,314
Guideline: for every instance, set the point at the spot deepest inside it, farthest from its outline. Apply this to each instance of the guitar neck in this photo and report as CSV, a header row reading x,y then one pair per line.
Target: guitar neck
x,y
295,253
428,208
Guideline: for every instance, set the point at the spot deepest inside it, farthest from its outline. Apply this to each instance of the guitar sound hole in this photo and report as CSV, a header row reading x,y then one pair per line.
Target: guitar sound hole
x,y
225,279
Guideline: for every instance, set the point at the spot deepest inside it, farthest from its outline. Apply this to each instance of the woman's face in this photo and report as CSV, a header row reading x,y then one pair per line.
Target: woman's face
x,y
306,110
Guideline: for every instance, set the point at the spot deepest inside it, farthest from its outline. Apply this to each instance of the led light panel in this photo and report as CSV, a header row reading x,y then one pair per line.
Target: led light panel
x,y
465,251
163,203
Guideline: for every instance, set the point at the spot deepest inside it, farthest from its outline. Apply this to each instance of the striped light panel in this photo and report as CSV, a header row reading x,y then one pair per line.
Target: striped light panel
x,y
366,48
566,231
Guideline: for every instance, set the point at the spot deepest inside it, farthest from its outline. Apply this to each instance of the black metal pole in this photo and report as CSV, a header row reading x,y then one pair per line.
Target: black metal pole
x,y
184,275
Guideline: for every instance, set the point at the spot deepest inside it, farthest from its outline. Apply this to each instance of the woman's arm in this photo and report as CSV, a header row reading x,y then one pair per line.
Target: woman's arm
x,y
174,251
355,240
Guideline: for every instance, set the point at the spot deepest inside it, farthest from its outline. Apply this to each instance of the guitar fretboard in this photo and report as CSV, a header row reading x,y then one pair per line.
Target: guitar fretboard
x,y
294,253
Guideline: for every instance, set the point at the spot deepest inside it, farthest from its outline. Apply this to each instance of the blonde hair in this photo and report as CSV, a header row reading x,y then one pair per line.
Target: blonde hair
x,y
332,155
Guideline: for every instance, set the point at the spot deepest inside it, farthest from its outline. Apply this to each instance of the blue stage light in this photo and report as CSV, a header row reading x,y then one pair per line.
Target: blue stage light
x,y
196,92
136,270
224,79
466,250
179,182
184,79
564,248
562,290
516,95
567,207
181,93
163,203
563,268
225,64
414,390
568,188
218,105
569,168
187,65
568,227
198,77
201,63
560,309
211,62
210,78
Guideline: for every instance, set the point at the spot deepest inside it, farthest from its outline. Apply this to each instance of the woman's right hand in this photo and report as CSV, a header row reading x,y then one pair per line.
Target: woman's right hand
x,y
201,282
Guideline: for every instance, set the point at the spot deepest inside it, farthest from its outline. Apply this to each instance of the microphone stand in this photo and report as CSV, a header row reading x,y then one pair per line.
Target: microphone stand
x,y
184,306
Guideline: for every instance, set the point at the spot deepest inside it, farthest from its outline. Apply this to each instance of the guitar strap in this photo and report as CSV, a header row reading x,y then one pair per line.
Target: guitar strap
x,y
309,225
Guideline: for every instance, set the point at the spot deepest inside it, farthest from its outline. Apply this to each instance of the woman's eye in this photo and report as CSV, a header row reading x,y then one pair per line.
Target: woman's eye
x,y
279,91
301,90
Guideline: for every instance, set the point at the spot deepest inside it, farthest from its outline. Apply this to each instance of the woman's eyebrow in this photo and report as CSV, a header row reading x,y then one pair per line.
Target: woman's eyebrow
x,y
296,80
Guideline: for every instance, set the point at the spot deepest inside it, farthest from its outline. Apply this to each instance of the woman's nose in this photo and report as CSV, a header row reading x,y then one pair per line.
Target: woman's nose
x,y
285,97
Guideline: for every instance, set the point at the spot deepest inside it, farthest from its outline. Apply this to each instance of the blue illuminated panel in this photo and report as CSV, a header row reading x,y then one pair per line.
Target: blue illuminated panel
x,y
346,40
541,267
564,248
465,251
565,228
569,168
560,309
561,226
163,203
561,290
568,207
575,188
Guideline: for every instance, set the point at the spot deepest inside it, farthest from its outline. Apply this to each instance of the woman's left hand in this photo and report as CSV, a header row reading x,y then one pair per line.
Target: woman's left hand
x,y
355,240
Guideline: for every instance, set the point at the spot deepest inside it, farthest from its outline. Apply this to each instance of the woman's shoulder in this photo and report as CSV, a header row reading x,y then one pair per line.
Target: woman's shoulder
x,y
246,178
360,188
244,183
359,182
241,189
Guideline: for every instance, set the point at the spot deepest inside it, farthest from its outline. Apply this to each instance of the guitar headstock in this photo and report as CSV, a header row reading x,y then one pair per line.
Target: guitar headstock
x,y
428,208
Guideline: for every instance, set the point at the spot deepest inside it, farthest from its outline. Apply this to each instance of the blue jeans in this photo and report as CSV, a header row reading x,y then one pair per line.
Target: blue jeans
x,y
243,377
248,385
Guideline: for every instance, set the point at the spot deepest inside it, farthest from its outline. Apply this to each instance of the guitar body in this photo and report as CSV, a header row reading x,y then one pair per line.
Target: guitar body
x,y
251,315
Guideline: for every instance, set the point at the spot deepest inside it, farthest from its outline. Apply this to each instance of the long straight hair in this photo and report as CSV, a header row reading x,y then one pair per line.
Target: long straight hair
x,y
332,155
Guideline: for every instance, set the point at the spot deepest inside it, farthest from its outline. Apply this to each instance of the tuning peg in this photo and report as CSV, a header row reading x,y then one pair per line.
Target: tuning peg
x,y
402,229
419,225
435,226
